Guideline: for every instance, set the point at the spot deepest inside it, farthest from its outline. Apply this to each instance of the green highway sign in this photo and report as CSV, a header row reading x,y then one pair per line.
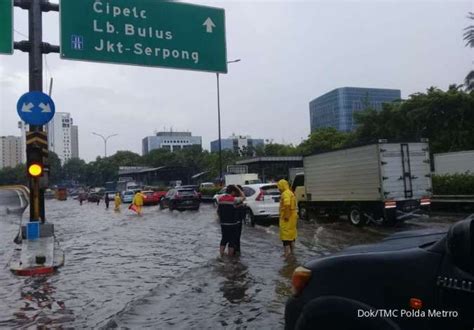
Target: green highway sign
x,y
144,32
6,26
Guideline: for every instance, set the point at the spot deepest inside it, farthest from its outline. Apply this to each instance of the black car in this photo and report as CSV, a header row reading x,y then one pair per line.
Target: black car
x,y
411,280
181,198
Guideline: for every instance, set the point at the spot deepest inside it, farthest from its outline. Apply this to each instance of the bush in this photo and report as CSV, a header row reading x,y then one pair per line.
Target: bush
x,y
454,184
210,191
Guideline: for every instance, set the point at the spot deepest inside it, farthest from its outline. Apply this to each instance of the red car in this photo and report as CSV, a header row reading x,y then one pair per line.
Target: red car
x,y
152,197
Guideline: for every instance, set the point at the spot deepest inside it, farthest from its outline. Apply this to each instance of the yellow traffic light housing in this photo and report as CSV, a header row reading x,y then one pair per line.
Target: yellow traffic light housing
x,y
34,162
35,170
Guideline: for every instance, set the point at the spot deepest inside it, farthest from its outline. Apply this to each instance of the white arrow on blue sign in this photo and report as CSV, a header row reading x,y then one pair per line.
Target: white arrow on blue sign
x,y
35,108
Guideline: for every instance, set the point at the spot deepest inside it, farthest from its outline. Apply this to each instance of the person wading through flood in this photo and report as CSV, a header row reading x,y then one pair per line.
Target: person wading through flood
x,y
288,218
138,201
117,202
227,209
107,201
241,211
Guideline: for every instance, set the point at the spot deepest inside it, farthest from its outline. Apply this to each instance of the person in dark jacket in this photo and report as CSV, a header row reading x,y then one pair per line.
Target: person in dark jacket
x,y
241,212
227,209
107,201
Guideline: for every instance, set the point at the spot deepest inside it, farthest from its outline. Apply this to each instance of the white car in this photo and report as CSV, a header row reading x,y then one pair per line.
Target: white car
x,y
262,201
127,196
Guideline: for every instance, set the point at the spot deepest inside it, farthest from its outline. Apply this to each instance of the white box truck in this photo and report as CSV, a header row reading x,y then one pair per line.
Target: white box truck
x,y
382,182
241,179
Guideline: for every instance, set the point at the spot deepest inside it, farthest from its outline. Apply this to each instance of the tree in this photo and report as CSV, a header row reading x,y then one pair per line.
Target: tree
x,y
325,139
445,118
469,37
13,175
55,169
73,169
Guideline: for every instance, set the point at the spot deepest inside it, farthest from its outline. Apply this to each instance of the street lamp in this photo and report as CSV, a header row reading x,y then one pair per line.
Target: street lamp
x,y
105,141
219,121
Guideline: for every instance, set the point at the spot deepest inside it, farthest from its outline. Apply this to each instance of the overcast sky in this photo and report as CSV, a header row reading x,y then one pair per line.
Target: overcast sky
x,y
291,52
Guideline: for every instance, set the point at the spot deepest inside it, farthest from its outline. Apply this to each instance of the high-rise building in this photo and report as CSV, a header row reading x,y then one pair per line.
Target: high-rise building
x,y
337,107
74,141
170,140
24,127
63,137
236,143
11,151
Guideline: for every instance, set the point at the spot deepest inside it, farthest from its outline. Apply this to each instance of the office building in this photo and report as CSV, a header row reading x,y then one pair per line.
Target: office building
x,y
236,143
337,107
11,151
171,141
74,141
63,136
24,127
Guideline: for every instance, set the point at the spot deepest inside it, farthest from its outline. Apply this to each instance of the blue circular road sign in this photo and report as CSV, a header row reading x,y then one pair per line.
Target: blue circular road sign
x,y
35,108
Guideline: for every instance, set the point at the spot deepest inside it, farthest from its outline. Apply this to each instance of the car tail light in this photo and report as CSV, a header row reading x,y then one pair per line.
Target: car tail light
x,y
260,196
390,204
300,279
425,201
416,303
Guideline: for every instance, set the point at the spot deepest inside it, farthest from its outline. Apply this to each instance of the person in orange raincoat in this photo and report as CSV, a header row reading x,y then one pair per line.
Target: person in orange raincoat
x,y
138,201
288,217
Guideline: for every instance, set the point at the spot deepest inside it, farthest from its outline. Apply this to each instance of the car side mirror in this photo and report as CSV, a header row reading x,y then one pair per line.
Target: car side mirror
x,y
460,244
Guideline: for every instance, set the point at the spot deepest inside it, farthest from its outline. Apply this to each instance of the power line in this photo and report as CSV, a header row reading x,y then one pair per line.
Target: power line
x,y
22,34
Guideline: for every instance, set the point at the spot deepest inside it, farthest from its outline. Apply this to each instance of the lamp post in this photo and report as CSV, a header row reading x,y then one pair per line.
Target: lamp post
x,y
219,121
105,141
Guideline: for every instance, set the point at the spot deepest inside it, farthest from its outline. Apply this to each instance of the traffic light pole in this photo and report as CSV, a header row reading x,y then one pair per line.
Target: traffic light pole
x,y
36,48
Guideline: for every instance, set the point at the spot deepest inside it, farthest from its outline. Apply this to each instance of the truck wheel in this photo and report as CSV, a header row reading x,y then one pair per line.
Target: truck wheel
x,y
390,217
303,212
356,217
250,218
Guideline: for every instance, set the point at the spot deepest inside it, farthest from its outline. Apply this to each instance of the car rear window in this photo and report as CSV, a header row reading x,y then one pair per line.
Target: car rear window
x,y
248,191
270,190
186,192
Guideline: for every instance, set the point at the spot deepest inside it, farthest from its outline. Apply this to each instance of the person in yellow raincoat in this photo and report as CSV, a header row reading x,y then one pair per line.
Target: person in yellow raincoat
x,y
288,217
138,201
117,202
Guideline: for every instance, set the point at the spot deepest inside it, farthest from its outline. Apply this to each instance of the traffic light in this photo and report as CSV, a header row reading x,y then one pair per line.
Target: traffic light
x,y
34,163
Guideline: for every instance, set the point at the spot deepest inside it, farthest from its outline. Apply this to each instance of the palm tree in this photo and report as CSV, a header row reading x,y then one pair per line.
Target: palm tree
x,y
469,32
469,37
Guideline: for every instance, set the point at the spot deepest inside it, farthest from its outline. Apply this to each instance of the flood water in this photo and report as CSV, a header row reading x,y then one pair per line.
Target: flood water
x,y
162,270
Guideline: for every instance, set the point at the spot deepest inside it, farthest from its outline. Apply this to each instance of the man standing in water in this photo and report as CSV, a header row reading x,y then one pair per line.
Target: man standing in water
x,y
288,218
117,202
138,201
227,210
106,200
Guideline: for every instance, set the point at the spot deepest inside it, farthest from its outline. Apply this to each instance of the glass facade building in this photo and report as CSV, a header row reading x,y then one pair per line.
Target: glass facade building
x,y
236,143
337,107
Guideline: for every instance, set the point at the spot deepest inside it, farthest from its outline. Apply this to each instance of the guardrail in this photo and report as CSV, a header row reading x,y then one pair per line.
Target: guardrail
x,y
23,194
453,198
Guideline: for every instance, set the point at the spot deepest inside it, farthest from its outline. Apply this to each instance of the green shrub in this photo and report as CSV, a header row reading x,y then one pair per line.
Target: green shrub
x,y
210,191
454,184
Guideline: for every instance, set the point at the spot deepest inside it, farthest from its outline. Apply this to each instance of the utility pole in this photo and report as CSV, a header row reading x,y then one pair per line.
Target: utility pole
x,y
36,48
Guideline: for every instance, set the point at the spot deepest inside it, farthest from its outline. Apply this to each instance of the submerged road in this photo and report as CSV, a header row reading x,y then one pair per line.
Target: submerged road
x,y
162,270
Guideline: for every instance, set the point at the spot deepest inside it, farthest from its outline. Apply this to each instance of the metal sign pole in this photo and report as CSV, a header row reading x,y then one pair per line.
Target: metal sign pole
x,y
36,48
35,28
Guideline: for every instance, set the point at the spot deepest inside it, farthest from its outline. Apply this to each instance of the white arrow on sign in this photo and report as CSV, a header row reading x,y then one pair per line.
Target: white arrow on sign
x,y
209,25
45,107
27,107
